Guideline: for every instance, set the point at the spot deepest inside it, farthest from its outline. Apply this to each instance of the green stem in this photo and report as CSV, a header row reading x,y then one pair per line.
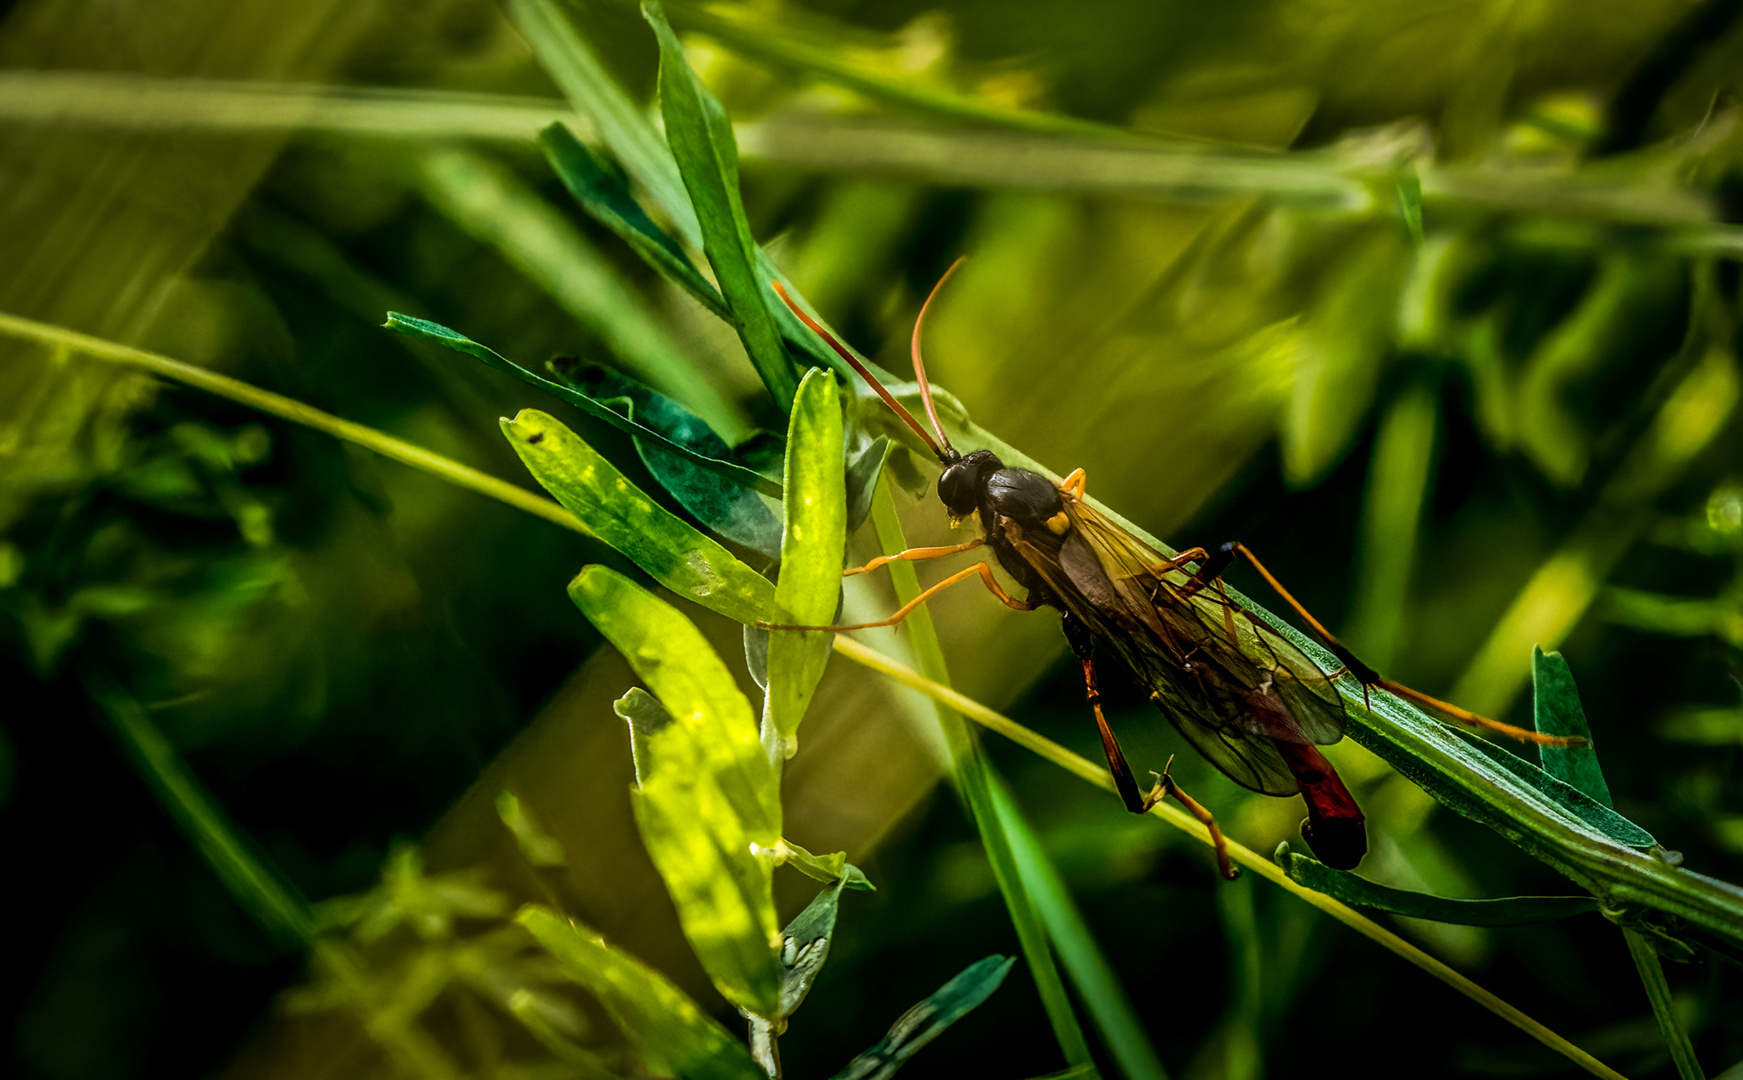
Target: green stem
x,y
1086,770
975,784
297,413
1663,1009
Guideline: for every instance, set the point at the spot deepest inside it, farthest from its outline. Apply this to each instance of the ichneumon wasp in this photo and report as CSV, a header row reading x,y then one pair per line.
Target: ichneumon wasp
x,y
1243,694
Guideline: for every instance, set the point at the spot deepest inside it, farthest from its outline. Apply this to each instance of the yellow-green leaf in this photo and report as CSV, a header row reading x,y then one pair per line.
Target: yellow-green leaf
x,y
671,550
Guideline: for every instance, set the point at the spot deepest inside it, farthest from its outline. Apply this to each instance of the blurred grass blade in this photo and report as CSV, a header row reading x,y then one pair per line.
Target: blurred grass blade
x,y
737,513
688,677
674,1035
494,206
825,868
1399,481
1409,186
261,890
702,142
453,339
604,195
671,550
811,551
1360,892
974,785
1646,961
708,803
927,1020
620,123
539,848
1556,708
1104,999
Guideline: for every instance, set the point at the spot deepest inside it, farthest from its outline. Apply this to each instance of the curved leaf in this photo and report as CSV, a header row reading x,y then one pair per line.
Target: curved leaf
x,y
671,550
737,513
700,135
675,1036
605,195
1360,892
811,552
453,339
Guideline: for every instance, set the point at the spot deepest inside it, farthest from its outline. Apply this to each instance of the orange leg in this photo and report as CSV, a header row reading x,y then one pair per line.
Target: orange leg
x,y
986,577
1213,568
1122,772
1166,786
1073,485
915,555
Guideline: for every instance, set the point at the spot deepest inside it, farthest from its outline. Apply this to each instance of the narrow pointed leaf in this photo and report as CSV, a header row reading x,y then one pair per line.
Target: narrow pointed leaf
x,y
670,549
700,135
675,1036
1582,807
1556,710
927,1020
728,509
453,339
606,196
811,552
862,479
1360,892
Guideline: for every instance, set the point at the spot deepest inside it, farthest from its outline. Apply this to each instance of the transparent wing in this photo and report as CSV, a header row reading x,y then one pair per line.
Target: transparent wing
x,y
1229,683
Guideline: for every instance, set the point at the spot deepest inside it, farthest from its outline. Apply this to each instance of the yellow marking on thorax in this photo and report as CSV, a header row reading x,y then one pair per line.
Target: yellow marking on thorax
x,y
1059,524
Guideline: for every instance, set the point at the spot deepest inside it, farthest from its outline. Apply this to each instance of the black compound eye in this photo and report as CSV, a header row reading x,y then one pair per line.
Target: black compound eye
x,y
956,487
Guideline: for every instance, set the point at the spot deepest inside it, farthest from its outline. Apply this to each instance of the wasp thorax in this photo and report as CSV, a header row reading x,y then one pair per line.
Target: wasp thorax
x,y
959,486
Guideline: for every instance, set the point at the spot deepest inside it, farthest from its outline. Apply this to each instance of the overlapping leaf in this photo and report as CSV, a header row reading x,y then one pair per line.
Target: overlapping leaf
x,y
708,802
670,549
927,1020
1360,892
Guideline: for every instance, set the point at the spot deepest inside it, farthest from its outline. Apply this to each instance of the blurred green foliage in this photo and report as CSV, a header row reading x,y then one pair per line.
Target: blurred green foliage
x,y
1434,308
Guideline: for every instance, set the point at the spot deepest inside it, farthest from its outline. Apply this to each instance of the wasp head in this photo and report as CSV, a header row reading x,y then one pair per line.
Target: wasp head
x,y
960,485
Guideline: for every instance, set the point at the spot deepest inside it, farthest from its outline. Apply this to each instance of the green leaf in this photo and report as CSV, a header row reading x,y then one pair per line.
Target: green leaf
x,y
805,946
737,513
671,550
1575,802
700,135
1651,970
1360,892
825,868
862,479
708,804
605,195
453,339
927,1020
646,716
811,550
538,847
1555,707
678,665
674,1035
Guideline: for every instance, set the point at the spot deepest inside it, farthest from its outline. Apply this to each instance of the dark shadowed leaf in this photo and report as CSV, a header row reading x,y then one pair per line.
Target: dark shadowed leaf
x,y
927,1020
671,550
674,1035
1360,892
700,135
605,195
735,512
862,479
453,339
1555,706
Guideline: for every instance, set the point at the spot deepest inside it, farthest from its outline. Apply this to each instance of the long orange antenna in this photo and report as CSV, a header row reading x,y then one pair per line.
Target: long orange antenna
x,y
853,362
920,365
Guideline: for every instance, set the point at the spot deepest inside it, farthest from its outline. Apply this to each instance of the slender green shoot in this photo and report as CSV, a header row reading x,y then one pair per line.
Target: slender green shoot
x,y
974,784
1682,1052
